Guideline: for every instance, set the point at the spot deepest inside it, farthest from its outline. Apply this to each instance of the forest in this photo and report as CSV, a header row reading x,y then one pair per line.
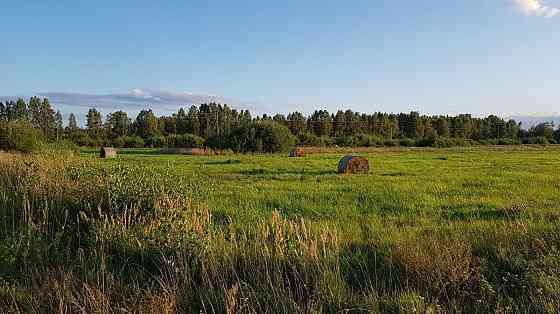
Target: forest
x,y
25,125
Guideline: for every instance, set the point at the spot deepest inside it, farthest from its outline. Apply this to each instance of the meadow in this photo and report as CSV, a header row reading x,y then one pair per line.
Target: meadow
x,y
461,230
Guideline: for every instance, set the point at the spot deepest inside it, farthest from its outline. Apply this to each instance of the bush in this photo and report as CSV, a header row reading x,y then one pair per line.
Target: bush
x,y
133,141
156,141
309,139
118,142
20,136
188,141
541,140
366,140
81,138
508,141
216,142
347,141
59,148
389,142
268,137
407,142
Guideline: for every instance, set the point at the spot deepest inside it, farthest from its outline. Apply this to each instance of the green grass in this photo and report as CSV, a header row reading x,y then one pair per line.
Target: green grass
x,y
428,230
439,185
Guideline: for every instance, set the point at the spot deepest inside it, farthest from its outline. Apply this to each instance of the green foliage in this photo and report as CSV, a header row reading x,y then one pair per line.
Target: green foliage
x,y
309,139
133,141
223,128
19,136
158,141
541,130
344,141
541,140
266,136
187,141
146,124
407,142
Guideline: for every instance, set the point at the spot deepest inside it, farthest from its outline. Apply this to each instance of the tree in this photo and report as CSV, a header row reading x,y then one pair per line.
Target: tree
x,y
117,124
93,120
94,125
169,125
442,126
146,124
339,123
320,123
21,110
3,112
545,130
193,121
59,125
72,123
296,123
34,112
41,116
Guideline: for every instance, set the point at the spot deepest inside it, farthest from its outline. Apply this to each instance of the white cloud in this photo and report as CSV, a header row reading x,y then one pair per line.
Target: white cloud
x,y
536,8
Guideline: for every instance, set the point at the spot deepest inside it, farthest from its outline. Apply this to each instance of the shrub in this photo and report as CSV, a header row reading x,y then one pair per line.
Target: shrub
x,y
133,142
366,140
407,142
216,142
156,141
268,137
508,141
389,142
541,140
444,142
326,141
118,142
60,148
81,138
20,136
344,141
188,141
309,139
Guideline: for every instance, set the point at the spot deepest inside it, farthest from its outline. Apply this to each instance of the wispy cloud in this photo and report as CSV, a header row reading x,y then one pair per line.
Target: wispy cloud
x,y
535,8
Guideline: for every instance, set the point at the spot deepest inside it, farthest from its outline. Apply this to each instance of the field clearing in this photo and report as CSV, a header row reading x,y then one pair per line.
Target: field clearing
x,y
462,230
408,184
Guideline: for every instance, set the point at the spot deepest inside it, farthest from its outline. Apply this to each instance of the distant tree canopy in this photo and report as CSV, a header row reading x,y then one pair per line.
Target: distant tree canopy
x,y
219,126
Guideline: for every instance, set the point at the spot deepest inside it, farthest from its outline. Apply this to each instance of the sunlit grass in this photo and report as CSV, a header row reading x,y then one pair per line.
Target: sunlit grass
x,y
455,230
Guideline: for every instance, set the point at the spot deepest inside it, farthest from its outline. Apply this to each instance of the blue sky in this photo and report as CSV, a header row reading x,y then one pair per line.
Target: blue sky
x,y
487,56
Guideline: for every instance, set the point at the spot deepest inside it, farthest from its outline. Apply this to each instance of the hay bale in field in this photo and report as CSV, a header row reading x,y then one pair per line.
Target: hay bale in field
x,y
297,152
108,152
353,164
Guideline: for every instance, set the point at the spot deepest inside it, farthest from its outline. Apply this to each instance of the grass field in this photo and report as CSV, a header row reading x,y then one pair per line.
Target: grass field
x,y
428,230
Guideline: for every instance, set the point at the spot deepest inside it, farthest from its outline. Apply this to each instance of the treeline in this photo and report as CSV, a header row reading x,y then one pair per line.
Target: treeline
x,y
23,125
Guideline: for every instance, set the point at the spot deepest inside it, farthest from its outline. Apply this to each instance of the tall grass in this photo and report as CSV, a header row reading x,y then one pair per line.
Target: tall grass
x,y
83,235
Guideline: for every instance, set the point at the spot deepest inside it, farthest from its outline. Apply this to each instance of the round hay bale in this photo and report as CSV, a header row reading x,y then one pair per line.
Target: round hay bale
x,y
108,152
353,164
297,152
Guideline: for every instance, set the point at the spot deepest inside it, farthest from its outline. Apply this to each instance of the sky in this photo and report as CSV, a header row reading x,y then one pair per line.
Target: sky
x,y
435,57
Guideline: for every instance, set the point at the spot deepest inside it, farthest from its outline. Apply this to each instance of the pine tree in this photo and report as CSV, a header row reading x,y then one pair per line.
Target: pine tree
x,y
72,123
21,110
93,120
59,125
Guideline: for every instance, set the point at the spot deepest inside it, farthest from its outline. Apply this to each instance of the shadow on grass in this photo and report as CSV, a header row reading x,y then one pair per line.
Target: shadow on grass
x,y
486,214
223,162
